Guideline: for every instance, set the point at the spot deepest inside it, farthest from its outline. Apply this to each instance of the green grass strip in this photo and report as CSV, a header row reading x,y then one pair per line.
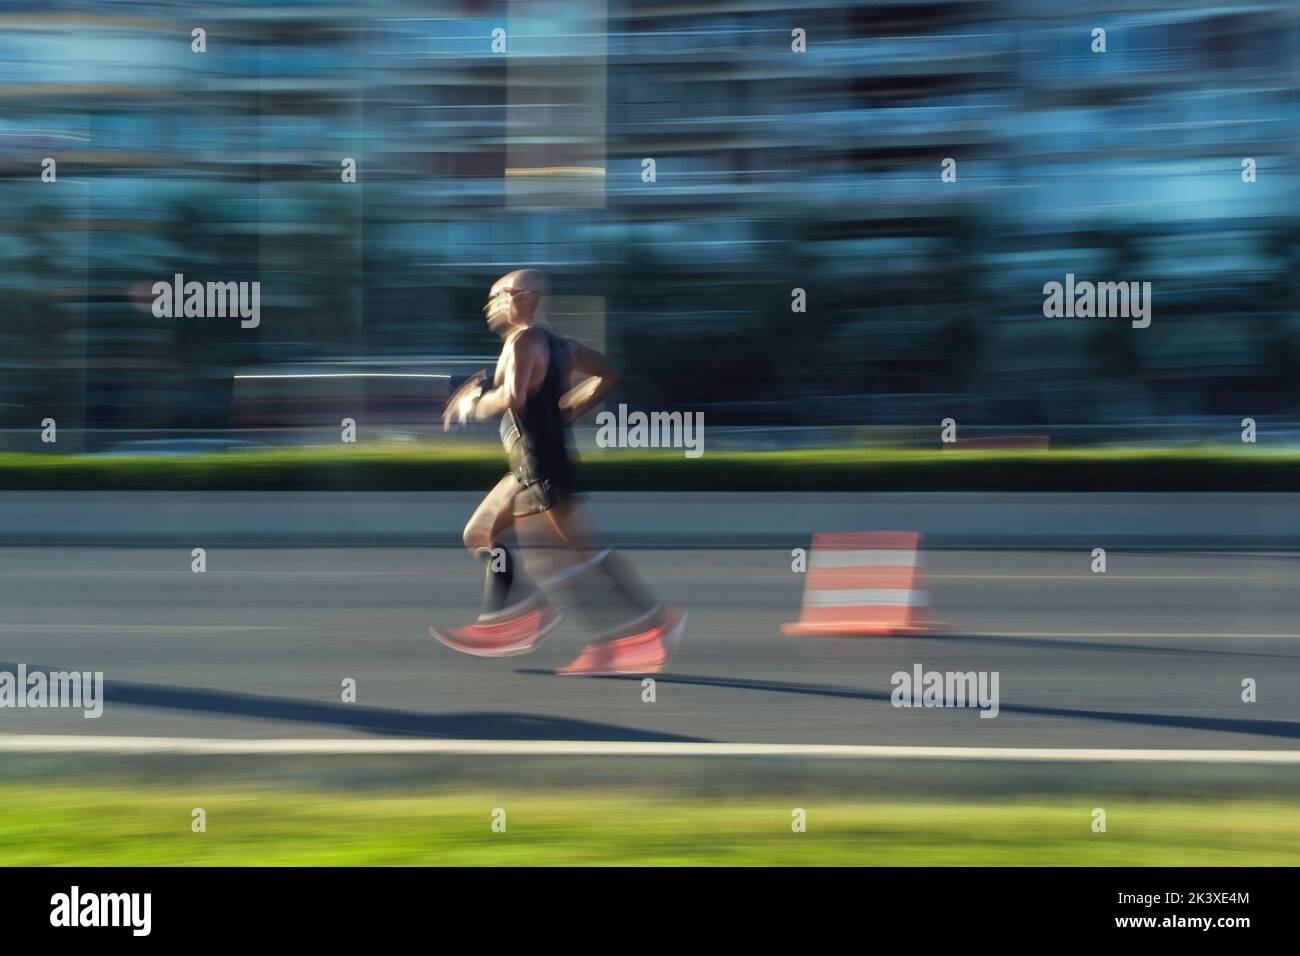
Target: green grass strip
x,y
120,826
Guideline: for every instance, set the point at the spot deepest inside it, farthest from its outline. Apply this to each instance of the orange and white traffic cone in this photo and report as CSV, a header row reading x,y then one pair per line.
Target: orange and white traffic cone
x,y
864,584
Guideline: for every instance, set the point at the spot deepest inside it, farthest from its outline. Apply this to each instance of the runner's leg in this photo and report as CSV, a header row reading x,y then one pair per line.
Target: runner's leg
x,y
570,523
484,538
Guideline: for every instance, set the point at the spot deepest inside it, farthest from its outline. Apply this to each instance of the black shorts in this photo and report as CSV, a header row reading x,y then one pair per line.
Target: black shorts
x,y
546,477
540,496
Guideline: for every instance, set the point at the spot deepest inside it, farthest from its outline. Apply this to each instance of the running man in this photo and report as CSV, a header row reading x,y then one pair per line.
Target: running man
x,y
529,392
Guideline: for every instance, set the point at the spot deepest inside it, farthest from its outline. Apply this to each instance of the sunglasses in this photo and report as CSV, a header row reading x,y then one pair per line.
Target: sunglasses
x,y
492,299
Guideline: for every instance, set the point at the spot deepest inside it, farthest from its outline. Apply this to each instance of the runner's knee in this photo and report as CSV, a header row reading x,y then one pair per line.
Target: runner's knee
x,y
476,537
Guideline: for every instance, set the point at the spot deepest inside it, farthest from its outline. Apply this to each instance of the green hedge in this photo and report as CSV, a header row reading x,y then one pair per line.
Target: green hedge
x,y
1210,468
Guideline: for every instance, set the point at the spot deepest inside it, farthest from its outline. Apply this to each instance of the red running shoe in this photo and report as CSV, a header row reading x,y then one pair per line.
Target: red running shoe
x,y
513,631
644,653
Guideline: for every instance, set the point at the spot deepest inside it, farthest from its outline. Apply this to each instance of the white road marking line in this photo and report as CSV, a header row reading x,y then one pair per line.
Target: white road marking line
x,y
218,574
145,627
1112,577
61,743
1127,635
1218,635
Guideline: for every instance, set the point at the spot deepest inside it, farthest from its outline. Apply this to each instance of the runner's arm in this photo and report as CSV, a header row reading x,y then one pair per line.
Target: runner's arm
x,y
590,392
513,391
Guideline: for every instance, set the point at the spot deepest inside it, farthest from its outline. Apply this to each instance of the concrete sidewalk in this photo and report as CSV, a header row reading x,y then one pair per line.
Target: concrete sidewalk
x,y
637,519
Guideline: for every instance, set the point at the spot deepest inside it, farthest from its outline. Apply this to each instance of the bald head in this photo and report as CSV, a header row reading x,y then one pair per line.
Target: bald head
x,y
531,280
515,299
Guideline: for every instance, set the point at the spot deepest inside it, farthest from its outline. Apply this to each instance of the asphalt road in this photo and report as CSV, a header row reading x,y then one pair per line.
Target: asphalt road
x,y
1150,654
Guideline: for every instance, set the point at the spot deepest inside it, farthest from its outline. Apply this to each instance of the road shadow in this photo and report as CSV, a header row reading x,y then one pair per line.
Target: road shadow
x,y
376,720
1265,728
1076,645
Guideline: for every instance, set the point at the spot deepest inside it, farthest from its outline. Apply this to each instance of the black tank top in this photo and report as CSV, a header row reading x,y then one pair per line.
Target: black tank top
x,y
541,451
543,422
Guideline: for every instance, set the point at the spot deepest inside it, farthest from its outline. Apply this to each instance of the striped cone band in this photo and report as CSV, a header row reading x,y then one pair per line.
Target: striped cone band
x,y
863,583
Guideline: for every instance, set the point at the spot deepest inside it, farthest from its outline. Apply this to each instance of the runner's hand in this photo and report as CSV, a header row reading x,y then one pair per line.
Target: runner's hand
x,y
461,401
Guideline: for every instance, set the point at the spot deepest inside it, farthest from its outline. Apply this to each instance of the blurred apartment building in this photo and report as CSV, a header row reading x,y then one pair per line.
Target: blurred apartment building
x,y
773,169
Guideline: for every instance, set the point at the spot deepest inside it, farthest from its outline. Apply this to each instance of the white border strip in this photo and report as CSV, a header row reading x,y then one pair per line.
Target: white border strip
x,y
70,743
864,597
862,559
